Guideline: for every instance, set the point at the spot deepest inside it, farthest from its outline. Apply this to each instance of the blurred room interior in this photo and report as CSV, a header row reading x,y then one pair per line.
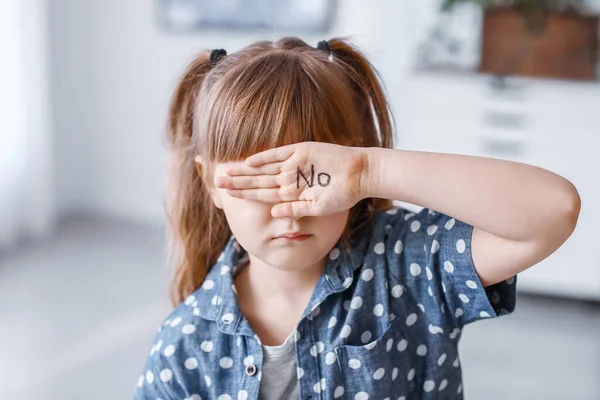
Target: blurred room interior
x,y
85,87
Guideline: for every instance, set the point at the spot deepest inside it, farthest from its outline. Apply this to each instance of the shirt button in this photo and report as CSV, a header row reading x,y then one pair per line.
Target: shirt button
x,y
227,318
250,370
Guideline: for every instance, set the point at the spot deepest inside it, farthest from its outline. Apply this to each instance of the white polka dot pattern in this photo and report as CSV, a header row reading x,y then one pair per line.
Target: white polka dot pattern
x,y
391,313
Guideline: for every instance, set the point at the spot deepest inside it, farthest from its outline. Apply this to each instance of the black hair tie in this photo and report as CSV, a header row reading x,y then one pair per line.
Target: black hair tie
x,y
216,54
324,46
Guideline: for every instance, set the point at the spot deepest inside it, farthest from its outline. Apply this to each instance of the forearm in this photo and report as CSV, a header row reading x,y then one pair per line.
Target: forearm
x,y
511,200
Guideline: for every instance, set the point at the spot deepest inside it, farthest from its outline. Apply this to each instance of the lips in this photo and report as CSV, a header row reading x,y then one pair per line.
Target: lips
x,y
292,235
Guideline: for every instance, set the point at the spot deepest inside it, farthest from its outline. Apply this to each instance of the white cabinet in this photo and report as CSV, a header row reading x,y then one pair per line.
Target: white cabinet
x,y
554,125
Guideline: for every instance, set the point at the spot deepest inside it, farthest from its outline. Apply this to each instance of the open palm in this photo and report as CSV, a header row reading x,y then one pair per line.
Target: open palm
x,y
308,178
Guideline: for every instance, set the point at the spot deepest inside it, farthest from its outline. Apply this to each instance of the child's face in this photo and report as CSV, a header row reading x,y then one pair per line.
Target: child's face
x,y
257,231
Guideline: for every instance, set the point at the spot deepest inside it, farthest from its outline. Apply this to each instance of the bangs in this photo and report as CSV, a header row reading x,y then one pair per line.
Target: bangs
x,y
277,99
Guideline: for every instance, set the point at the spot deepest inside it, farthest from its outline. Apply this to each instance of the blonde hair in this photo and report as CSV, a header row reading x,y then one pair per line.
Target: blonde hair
x,y
266,95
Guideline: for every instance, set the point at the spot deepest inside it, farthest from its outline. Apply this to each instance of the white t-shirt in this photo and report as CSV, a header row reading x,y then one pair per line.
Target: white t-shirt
x,y
279,378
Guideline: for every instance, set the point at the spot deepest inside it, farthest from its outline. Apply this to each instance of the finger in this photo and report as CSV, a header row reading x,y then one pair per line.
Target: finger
x,y
242,169
270,156
247,182
292,209
272,195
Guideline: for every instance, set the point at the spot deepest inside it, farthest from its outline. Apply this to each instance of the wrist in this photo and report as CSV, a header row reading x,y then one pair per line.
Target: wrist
x,y
370,174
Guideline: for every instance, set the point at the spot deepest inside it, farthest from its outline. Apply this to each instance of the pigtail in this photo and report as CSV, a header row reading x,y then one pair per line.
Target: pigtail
x,y
370,96
376,121
199,230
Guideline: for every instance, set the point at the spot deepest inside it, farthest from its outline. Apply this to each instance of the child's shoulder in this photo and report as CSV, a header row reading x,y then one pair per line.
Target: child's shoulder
x,y
416,222
176,349
183,325
401,212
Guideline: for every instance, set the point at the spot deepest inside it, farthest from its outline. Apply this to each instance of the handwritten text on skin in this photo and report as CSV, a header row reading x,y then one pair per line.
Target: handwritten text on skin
x,y
323,179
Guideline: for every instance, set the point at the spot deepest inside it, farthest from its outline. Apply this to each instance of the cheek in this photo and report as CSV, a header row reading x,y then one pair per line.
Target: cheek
x,y
334,224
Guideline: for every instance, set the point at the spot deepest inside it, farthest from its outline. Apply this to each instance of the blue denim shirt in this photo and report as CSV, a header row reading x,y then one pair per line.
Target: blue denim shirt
x,y
384,320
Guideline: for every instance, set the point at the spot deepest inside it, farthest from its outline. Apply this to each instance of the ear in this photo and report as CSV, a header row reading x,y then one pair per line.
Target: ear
x,y
216,199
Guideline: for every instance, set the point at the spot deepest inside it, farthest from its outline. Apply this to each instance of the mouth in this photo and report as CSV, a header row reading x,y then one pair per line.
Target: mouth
x,y
294,237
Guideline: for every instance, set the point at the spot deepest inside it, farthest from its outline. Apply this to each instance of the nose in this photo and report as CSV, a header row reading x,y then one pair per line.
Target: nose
x,y
291,219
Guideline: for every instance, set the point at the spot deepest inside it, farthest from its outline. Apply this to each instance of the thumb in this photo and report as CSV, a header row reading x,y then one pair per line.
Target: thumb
x,y
291,209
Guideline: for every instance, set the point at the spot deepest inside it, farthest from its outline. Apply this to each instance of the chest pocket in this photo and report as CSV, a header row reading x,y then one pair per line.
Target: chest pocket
x,y
383,367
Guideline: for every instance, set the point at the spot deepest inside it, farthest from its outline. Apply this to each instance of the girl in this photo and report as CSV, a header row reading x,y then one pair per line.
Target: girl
x,y
297,278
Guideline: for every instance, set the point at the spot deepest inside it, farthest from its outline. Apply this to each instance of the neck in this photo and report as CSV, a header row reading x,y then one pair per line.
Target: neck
x,y
272,299
260,282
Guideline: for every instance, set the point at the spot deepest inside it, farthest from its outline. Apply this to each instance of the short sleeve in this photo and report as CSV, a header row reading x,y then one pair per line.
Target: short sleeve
x,y
436,266
453,266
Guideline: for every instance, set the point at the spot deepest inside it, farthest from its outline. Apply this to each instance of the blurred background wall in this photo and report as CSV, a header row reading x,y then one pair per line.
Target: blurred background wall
x,y
85,87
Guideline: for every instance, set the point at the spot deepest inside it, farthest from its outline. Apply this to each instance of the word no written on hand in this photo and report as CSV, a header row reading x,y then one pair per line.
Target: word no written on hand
x,y
323,179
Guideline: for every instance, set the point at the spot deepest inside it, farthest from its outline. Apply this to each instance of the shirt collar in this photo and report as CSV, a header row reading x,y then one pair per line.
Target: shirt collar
x,y
218,298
